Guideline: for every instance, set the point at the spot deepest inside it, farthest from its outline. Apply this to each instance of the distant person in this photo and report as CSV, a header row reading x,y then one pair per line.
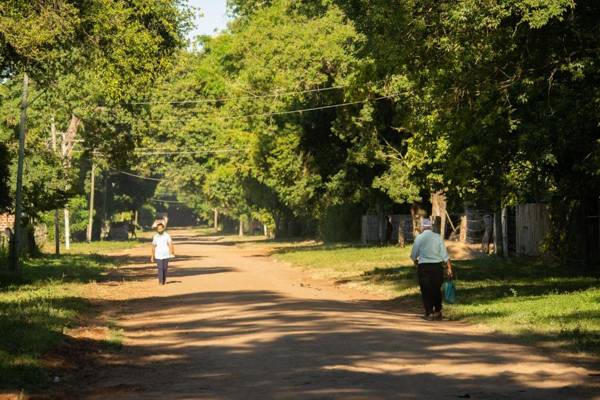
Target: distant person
x,y
133,227
429,254
488,233
389,230
162,251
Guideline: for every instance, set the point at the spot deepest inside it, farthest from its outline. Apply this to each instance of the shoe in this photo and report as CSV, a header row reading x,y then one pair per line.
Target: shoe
x,y
437,316
428,317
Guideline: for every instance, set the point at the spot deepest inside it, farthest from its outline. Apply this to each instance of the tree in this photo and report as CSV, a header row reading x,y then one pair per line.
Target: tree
x,y
93,58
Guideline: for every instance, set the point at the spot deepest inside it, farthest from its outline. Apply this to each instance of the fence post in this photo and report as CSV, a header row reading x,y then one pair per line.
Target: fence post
x,y
498,233
505,232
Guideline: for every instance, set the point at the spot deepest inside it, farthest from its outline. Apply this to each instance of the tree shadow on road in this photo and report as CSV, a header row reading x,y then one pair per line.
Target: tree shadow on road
x,y
263,345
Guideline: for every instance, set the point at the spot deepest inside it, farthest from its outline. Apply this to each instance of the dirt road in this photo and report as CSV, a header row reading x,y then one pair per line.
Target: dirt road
x,y
234,324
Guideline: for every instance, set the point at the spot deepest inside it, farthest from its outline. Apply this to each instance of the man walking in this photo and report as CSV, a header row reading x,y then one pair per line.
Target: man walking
x,y
429,254
162,250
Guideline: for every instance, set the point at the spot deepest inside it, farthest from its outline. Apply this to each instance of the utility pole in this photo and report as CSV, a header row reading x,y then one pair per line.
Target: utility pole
x,y
56,218
64,147
15,264
91,216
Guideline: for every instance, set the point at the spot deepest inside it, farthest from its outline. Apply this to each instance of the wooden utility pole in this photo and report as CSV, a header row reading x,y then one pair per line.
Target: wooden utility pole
x,y
15,264
91,212
56,218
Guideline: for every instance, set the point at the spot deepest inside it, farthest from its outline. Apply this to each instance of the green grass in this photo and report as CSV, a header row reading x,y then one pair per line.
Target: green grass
x,y
537,301
100,247
36,308
385,270
207,231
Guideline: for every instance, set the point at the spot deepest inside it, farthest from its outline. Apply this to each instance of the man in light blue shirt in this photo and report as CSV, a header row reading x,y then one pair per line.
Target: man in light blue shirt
x,y
429,254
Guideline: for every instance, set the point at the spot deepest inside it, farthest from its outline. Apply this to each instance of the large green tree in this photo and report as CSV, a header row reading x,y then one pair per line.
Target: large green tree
x,y
89,62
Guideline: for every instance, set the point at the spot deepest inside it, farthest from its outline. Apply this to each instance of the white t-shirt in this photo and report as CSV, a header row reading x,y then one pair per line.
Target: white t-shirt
x,y
162,242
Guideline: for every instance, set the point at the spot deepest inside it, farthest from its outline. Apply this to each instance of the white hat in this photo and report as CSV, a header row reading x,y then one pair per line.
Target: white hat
x,y
426,223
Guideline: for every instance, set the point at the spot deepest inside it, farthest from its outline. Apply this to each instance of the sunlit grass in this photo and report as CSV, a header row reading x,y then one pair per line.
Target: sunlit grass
x,y
98,247
35,311
537,301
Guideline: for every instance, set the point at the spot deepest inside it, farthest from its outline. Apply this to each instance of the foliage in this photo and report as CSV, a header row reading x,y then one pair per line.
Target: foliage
x,y
280,169
88,60
494,104
123,44
5,198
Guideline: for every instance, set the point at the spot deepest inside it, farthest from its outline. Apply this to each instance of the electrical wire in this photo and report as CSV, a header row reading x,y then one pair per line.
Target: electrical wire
x,y
166,201
152,153
223,99
258,96
138,176
269,114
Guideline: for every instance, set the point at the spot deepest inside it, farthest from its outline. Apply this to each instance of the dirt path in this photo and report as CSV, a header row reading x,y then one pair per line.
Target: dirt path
x,y
234,324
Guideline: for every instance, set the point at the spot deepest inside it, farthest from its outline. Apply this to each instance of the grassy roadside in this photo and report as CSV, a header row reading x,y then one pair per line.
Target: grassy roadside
x,y
101,247
535,301
38,308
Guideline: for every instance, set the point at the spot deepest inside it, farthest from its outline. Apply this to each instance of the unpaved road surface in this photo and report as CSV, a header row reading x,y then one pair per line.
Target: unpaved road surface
x,y
235,324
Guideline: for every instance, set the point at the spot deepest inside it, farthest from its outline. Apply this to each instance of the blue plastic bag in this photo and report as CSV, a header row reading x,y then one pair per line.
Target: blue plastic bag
x,y
449,291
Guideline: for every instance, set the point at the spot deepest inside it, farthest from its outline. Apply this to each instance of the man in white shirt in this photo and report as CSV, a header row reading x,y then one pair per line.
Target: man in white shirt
x,y
162,250
429,254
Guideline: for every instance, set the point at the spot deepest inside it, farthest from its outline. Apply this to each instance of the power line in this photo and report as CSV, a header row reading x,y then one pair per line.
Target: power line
x,y
258,96
172,152
151,153
166,201
138,176
284,112
223,99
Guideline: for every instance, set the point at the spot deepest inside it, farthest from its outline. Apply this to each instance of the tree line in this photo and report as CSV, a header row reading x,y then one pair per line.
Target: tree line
x,y
305,114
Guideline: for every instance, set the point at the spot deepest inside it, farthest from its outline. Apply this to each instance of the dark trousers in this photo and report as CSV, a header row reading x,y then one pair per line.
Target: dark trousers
x,y
431,278
163,266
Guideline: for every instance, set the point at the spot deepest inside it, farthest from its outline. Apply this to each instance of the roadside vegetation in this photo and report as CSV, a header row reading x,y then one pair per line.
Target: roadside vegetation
x,y
107,246
38,308
537,301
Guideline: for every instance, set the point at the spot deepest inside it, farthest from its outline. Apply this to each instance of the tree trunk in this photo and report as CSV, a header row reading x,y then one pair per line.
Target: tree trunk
x,y
15,264
56,215
68,141
91,211
216,219
438,212
241,233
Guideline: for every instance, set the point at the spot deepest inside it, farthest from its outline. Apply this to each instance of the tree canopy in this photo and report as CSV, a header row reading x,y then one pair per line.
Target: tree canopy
x,y
303,115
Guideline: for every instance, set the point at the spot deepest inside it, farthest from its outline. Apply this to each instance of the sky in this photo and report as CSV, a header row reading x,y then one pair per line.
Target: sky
x,y
214,16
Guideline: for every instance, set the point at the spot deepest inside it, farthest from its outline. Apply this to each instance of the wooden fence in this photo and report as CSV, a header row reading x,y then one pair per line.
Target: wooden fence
x,y
373,229
524,228
531,226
